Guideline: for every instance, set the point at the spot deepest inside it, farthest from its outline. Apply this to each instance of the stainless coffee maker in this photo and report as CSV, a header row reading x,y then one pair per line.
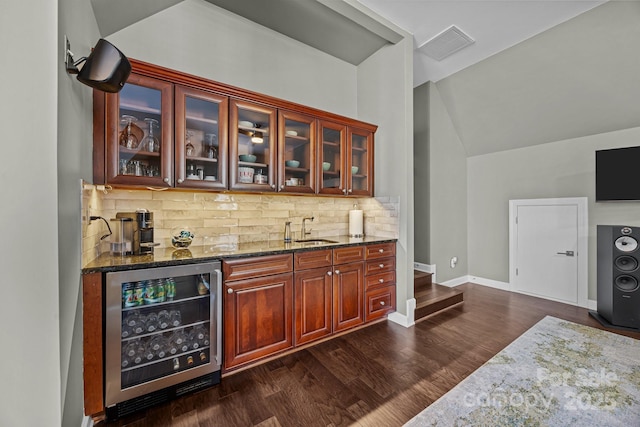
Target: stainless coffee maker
x,y
142,230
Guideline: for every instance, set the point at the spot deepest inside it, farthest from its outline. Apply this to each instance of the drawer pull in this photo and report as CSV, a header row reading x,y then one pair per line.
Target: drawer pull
x,y
337,271
329,273
229,291
381,265
381,251
380,280
381,302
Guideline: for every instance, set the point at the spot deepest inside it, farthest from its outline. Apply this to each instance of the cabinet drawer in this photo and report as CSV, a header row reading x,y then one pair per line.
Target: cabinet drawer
x,y
380,302
381,250
379,280
312,259
244,268
380,265
350,254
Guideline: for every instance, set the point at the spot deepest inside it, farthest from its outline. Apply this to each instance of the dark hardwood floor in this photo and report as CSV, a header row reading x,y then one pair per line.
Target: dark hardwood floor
x,y
381,375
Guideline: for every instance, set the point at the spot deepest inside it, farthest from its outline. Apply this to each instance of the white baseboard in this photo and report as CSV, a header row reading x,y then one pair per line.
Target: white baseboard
x,y
401,319
87,422
457,281
490,283
592,304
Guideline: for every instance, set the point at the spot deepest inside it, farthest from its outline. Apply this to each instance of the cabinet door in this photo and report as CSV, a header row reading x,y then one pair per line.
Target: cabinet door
x,y
252,147
348,296
312,304
331,154
139,133
296,153
359,167
257,318
201,139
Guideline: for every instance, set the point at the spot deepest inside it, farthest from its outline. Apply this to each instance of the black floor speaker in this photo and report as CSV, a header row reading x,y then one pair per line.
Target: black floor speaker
x,y
619,275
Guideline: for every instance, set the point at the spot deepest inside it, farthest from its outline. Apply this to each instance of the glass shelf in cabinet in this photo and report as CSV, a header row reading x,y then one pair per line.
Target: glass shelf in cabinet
x,y
330,144
261,165
139,108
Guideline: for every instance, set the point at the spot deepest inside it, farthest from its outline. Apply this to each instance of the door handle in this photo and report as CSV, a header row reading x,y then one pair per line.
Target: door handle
x,y
567,253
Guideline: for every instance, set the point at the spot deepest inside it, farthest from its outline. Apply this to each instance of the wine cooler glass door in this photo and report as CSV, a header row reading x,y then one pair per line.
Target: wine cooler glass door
x,y
162,328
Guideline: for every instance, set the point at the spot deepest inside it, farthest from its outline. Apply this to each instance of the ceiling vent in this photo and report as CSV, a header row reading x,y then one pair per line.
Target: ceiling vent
x,y
446,43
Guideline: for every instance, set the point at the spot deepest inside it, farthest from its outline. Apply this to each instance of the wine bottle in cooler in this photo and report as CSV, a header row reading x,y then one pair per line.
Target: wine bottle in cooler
x,y
164,319
159,346
149,353
151,322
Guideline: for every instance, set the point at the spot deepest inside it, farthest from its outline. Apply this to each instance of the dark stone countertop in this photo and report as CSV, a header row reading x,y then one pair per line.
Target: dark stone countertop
x,y
194,254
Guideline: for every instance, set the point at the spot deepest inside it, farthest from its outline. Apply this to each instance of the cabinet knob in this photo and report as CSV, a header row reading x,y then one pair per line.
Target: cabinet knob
x,y
329,273
337,271
381,251
381,302
166,180
351,190
381,280
344,191
229,291
282,186
273,186
180,180
381,265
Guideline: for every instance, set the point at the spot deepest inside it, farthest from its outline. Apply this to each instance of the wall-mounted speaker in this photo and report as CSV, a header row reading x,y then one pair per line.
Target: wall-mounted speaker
x,y
619,275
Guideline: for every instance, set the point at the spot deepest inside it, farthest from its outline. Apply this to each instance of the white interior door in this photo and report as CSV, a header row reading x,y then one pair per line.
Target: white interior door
x,y
546,252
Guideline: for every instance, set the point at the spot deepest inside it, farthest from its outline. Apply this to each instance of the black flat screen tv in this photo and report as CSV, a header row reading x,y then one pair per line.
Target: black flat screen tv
x,y
618,174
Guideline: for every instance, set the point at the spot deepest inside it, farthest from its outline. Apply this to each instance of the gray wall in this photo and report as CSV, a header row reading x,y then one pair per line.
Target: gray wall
x,y
422,184
559,169
447,192
75,147
202,39
385,98
529,120
30,368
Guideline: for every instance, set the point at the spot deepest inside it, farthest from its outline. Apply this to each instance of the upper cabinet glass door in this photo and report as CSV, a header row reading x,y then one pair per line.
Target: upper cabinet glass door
x,y
201,139
139,138
252,147
297,152
360,163
332,153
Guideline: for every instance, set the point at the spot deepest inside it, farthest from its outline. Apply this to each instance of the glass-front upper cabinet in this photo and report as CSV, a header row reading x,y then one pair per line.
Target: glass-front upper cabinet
x,y
201,139
140,133
297,152
332,152
253,161
359,162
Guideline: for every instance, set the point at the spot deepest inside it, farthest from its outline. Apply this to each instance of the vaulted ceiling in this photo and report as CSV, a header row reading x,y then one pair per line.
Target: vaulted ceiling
x,y
538,72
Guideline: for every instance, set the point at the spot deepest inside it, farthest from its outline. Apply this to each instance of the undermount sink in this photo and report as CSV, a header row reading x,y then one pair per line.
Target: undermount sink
x,y
315,241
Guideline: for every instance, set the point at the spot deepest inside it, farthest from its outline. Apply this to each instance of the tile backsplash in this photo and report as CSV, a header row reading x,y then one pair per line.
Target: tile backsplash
x,y
219,218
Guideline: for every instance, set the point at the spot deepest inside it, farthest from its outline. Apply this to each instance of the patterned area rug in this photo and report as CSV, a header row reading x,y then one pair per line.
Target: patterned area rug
x,y
558,373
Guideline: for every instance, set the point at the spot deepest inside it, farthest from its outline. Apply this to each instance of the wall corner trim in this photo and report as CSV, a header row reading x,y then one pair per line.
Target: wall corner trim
x,y
401,319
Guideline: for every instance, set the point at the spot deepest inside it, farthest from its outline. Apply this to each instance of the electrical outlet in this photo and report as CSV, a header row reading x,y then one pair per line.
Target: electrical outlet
x,y
453,262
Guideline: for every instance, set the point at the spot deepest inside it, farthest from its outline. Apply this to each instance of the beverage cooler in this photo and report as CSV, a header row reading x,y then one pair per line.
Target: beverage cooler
x,y
163,334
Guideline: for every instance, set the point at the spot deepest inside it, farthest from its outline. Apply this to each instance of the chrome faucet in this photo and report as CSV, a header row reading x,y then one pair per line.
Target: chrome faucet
x,y
304,232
